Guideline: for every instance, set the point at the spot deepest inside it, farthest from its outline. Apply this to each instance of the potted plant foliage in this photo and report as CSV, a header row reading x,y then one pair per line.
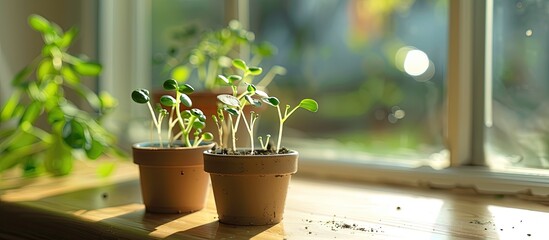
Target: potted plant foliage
x,y
211,56
171,170
41,128
250,184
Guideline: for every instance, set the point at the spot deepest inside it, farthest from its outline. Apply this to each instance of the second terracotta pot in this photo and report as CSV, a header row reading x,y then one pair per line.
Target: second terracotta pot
x,y
250,189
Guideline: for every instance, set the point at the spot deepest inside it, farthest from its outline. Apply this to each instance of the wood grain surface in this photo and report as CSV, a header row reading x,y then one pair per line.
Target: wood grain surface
x,y
85,206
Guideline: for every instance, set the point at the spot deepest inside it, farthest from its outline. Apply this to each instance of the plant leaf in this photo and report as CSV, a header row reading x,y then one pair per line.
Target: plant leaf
x,y
39,23
58,158
32,112
168,101
273,101
229,100
186,89
186,100
67,38
94,149
74,134
309,104
170,84
141,96
251,89
231,111
8,111
199,125
45,68
223,79
254,71
234,78
240,64
87,68
207,136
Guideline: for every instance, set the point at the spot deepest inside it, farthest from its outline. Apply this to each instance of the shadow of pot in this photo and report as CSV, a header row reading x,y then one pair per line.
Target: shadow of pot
x,y
172,180
250,189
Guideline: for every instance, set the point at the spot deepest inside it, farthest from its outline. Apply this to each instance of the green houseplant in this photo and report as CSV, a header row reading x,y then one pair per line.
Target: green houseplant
x,y
250,184
211,55
171,171
41,129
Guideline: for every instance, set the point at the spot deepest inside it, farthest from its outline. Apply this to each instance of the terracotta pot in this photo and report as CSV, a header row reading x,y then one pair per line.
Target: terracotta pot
x,y
172,179
250,189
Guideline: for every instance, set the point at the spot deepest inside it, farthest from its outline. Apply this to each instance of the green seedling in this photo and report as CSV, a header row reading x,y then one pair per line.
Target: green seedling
x,y
307,104
213,52
188,120
234,105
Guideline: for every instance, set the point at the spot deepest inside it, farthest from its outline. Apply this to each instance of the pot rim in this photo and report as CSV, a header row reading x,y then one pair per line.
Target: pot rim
x,y
290,153
141,146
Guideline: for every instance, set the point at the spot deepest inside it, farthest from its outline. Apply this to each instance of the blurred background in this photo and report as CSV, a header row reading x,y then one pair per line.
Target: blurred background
x,y
376,67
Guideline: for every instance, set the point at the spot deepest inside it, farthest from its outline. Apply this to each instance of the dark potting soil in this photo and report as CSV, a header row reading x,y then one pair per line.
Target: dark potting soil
x,y
268,151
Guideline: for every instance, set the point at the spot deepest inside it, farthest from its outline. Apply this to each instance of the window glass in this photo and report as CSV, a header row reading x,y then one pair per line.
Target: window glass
x,y
376,68
518,133
176,25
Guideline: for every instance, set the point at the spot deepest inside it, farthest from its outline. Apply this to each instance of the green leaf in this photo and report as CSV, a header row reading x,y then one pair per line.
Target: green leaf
x,y
56,115
168,101
8,111
170,84
196,112
181,73
309,104
273,101
252,101
69,75
234,78
94,149
67,38
32,112
185,100
251,89
240,64
88,68
39,23
45,68
74,134
232,111
186,114
141,96
199,125
186,89
223,79
207,136
229,100
254,71
58,158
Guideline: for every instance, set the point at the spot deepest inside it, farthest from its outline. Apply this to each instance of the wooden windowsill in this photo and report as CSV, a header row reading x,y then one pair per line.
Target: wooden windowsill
x,y
85,206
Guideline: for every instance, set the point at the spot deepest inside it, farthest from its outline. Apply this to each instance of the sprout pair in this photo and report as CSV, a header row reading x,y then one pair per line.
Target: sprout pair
x,y
234,105
188,120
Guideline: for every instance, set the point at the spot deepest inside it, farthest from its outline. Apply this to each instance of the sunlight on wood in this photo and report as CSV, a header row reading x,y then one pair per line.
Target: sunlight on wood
x,y
513,223
110,212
